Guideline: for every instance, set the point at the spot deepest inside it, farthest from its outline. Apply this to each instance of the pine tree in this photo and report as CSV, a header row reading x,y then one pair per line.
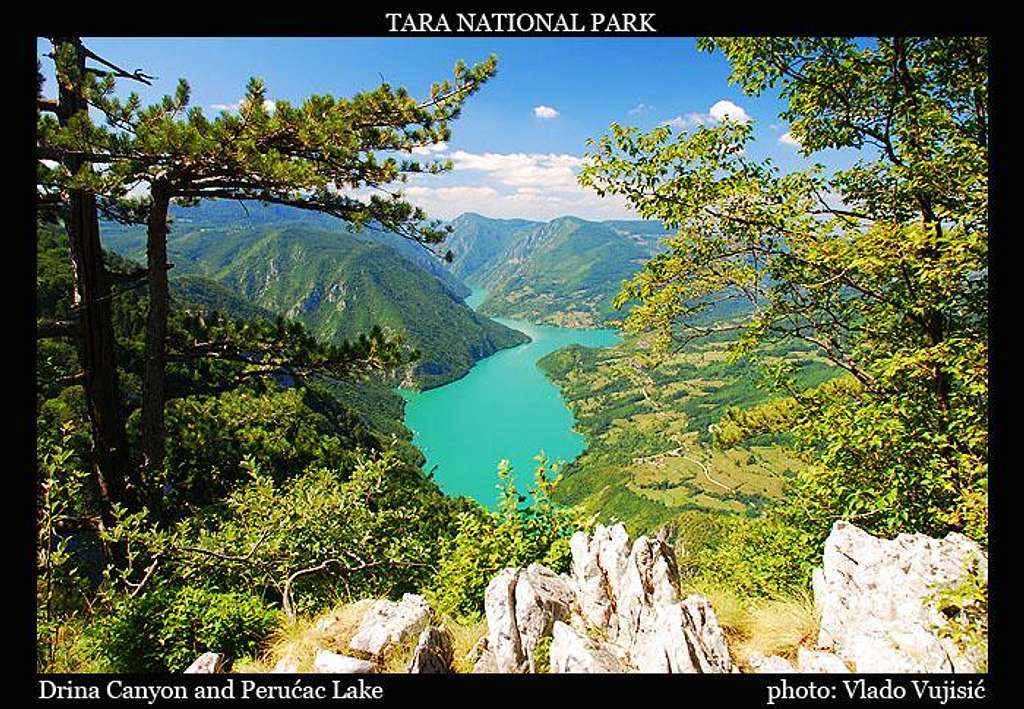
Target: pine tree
x,y
322,155
63,196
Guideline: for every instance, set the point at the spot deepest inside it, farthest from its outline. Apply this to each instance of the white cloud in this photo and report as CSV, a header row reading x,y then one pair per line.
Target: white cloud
x,y
723,110
438,147
545,112
541,170
720,111
788,139
640,109
268,106
458,193
512,185
690,120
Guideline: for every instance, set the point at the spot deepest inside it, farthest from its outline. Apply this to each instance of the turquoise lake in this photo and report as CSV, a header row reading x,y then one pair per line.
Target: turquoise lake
x,y
504,408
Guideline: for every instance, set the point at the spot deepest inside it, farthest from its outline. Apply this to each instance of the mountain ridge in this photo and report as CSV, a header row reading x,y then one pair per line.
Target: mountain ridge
x,y
339,285
565,271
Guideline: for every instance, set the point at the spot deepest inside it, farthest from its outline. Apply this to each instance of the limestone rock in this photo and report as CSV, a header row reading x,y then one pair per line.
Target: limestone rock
x,y
206,664
522,606
542,597
485,664
648,582
503,639
872,595
813,661
434,652
684,637
289,664
573,652
388,623
770,665
327,662
598,565
478,649
625,595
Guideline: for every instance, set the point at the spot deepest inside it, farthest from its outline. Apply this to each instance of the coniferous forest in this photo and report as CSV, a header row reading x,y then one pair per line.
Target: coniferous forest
x,y
258,341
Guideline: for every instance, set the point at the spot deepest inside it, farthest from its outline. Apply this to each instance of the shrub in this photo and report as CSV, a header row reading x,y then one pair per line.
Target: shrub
x,y
759,557
965,607
165,628
514,535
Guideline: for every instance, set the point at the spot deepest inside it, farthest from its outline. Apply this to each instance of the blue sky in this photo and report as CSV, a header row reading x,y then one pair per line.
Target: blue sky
x,y
517,146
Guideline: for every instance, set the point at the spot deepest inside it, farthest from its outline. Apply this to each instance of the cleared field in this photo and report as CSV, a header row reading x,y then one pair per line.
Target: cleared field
x,y
650,458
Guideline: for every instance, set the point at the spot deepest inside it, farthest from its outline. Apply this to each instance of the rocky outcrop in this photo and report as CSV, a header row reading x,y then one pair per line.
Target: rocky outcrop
x,y
598,565
387,623
814,661
771,665
327,662
503,640
874,594
683,637
573,652
522,606
481,657
289,664
619,611
434,652
206,664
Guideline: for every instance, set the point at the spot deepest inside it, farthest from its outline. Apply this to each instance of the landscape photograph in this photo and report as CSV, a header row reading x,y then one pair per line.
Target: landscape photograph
x,y
512,355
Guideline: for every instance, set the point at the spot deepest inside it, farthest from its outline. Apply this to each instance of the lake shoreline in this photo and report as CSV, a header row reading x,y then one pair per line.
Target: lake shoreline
x,y
505,407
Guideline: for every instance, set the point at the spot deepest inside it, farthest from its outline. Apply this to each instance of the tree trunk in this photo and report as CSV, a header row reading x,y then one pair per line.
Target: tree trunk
x,y
91,300
153,394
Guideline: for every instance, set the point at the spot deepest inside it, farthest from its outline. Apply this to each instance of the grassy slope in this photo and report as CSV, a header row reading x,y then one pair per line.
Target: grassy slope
x,y
649,458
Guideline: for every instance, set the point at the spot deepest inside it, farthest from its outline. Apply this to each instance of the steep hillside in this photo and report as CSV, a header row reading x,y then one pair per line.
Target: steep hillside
x,y
478,244
197,290
337,284
564,272
339,290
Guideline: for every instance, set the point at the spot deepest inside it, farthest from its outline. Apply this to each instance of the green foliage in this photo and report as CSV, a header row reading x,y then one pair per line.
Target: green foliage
x,y
213,436
542,654
304,155
965,607
648,420
60,585
167,627
515,535
757,558
337,285
563,272
319,537
882,267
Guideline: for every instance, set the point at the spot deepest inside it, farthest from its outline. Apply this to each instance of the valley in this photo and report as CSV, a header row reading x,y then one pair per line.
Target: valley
x,y
514,361
339,285
564,272
504,408
511,355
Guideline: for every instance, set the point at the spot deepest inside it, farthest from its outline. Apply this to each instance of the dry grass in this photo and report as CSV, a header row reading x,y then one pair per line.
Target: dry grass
x,y
768,627
465,634
298,641
779,627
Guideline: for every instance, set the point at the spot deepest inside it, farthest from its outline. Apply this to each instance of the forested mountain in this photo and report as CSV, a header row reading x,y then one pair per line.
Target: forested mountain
x,y
225,470
562,272
338,284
